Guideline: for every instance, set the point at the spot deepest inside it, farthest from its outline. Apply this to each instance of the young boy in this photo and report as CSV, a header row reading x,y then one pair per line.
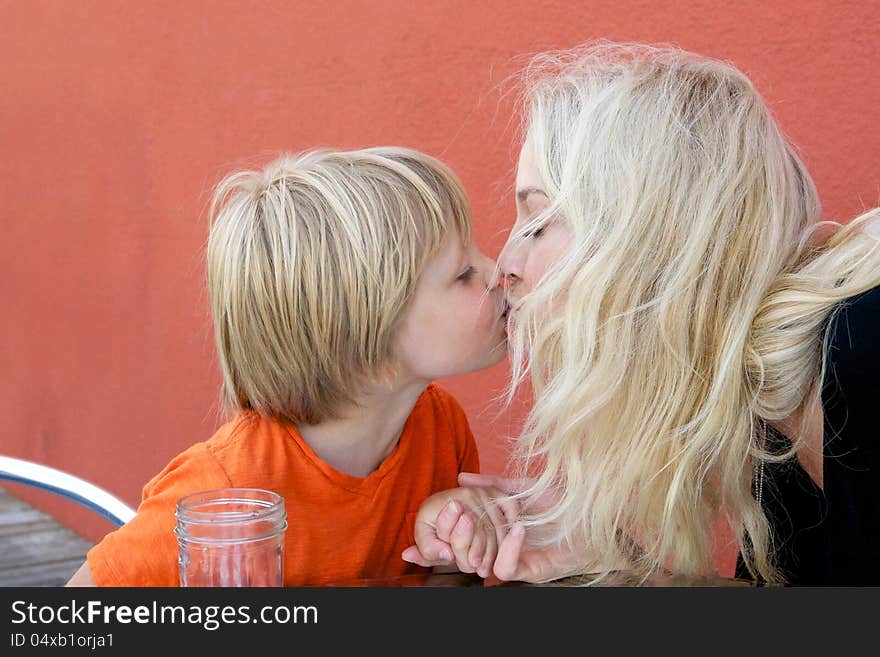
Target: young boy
x,y
342,283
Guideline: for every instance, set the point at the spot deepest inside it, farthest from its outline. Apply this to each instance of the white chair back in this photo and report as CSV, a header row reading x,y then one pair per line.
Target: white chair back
x,y
68,486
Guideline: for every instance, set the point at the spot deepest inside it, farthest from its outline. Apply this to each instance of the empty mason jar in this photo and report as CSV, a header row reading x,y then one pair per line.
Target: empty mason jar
x,y
231,537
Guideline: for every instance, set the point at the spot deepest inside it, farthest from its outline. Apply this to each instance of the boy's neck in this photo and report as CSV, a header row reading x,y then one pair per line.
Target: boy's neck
x,y
357,442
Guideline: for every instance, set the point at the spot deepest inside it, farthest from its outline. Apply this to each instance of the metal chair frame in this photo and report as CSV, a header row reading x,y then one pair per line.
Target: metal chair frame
x,y
68,486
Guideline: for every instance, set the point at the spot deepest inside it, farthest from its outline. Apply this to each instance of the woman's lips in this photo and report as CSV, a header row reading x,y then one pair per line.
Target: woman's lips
x,y
509,314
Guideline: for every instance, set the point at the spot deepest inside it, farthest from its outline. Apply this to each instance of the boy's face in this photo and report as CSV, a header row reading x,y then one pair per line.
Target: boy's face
x,y
454,323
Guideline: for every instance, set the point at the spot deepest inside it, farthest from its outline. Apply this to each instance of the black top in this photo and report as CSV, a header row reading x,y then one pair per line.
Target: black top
x,y
834,538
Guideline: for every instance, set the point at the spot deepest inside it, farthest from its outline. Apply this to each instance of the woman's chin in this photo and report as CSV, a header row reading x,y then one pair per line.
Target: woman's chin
x,y
498,353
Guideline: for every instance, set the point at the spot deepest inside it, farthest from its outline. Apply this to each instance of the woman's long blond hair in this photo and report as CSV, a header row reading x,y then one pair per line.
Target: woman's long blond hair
x,y
689,312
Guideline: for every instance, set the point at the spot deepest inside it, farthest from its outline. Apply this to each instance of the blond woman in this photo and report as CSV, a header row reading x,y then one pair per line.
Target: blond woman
x,y
699,343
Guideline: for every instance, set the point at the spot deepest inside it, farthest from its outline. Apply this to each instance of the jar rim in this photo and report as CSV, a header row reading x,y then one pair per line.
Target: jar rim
x,y
266,504
185,539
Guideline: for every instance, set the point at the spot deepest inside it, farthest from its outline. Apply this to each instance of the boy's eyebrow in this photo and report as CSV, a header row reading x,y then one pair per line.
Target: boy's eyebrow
x,y
525,192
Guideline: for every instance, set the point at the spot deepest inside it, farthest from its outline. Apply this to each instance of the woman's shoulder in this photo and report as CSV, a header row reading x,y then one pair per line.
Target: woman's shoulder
x,y
866,302
851,383
851,465
852,332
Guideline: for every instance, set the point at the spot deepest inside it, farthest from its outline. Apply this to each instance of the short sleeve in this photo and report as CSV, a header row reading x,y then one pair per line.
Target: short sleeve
x,y
470,461
143,552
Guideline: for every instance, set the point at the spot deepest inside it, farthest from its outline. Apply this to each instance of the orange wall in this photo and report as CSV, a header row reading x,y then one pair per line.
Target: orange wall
x,y
118,117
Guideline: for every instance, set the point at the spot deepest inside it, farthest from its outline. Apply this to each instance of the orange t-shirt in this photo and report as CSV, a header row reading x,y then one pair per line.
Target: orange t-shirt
x,y
339,526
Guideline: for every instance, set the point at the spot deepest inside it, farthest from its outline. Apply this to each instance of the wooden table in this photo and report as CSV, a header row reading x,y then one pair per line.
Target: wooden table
x,y
35,550
470,580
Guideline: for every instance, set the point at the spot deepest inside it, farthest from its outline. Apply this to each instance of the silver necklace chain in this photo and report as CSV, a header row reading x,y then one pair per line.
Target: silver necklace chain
x,y
759,481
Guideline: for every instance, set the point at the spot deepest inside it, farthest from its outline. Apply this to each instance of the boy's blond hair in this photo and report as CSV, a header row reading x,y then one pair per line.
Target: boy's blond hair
x,y
311,263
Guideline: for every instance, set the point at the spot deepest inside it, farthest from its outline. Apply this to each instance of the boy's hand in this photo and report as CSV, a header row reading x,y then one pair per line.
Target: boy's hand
x,y
516,561
462,526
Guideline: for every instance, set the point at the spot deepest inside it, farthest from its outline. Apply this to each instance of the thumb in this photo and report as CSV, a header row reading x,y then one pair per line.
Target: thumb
x,y
413,555
507,563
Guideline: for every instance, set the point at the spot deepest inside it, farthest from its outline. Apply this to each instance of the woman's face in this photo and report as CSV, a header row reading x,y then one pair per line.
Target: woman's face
x,y
525,261
455,322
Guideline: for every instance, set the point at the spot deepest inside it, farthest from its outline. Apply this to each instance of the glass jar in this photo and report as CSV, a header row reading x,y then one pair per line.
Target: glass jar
x,y
231,537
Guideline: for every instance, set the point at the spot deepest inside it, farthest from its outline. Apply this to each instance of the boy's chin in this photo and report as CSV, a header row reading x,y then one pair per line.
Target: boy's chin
x,y
479,362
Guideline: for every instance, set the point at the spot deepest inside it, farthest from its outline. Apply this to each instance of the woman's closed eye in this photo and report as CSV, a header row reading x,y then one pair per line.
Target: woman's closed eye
x,y
467,274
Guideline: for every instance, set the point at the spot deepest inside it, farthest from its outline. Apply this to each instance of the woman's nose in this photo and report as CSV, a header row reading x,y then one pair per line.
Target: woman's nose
x,y
493,277
510,263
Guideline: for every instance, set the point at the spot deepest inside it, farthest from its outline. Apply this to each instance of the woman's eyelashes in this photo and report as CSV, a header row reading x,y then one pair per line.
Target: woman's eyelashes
x,y
467,274
537,224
